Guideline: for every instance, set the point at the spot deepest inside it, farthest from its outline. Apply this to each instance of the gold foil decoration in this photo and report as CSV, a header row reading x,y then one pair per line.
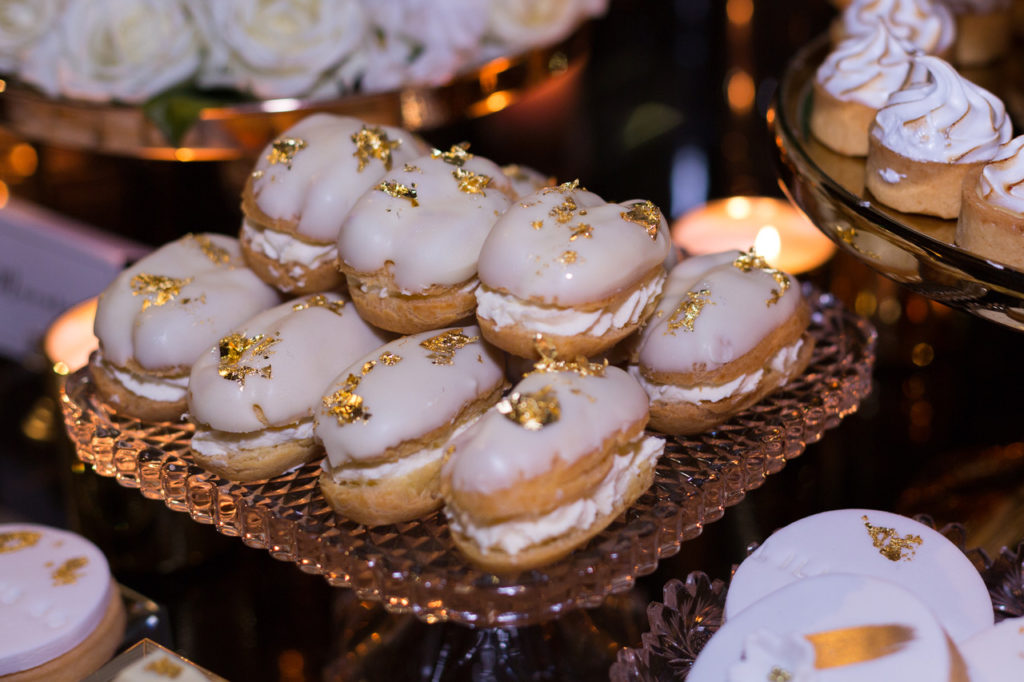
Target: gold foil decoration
x,y
161,289
18,540
564,187
390,359
847,646
470,182
568,257
68,572
581,230
532,411
373,143
513,172
368,367
537,224
750,261
686,313
397,190
550,362
564,211
283,150
216,254
646,215
232,350
164,667
409,168
890,545
443,346
458,155
778,674
320,301
344,405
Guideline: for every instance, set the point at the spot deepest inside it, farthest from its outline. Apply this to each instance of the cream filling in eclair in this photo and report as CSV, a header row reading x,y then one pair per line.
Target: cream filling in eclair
x,y
284,248
514,536
384,292
159,389
505,310
218,445
781,362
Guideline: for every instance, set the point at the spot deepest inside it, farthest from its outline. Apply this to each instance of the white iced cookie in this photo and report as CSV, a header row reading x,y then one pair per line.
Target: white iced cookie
x,y
996,654
549,466
852,84
61,614
564,263
728,330
991,221
252,395
832,628
929,135
159,315
385,421
409,246
927,25
301,189
870,543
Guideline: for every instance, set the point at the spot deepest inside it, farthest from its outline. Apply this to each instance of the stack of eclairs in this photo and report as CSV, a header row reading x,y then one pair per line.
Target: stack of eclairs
x,y
442,331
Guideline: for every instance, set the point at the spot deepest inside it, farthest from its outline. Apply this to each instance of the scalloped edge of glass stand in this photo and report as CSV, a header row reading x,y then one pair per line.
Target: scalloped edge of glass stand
x,y
413,567
929,266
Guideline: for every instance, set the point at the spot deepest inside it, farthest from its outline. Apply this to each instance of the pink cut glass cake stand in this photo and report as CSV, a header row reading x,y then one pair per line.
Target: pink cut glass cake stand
x,y
414,568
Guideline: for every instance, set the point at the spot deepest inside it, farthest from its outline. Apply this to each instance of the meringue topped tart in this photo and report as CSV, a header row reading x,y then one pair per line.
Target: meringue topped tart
x,y
924,25
991,222
301,189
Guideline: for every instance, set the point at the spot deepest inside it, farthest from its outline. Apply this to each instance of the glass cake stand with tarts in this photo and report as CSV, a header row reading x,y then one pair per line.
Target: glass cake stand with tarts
x,y
915,250
414,568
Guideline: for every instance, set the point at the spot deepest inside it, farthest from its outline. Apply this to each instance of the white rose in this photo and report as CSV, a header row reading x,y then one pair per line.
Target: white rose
x,y
125,50
277,48
23,23
525,23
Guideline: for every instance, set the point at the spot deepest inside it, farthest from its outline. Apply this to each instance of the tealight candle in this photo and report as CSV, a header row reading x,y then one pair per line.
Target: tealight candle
x,y
779,232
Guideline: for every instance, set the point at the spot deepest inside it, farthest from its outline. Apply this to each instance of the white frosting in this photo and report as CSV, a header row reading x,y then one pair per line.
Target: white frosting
x,y
996,654
935,570
929,26
736,316
220,446
435,241
505,310
514,536
1002,179
322,181
42,616
409,398
160,389
530,263
498,452
866,68
160,666
891,176
942,117
173,334
311,345
809,631
285,248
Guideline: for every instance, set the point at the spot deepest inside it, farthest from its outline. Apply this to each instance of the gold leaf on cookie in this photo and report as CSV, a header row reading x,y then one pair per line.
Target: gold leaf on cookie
x,y
532,411
320,301
283,150
390,359
344,405
68,572
751,261
889,544
157,289
216,254
234,347
458,155
18,540
470,182
443,346
373,143
395,189
646,215
686,313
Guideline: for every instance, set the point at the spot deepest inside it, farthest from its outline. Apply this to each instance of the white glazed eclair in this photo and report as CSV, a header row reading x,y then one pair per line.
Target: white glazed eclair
x,y
252,395
301,189
728,331
409,246
549,466
564,263
159,315
386,419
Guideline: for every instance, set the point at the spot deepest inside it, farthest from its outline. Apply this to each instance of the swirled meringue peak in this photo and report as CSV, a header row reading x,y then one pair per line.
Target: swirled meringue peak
x,y
940,116
927,25
867,68
1002,180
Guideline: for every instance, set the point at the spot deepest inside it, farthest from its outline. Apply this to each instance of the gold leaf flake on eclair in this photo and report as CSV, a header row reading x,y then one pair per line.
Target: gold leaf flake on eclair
x,y
68,572
320,301
234,347
390,359
571,186
470,182
18,540
568,257
443,346
581,230
157,289
395,189
216,254
532,411
750,261
646,215
563,213
409,168
373,143
283,150
344,405
550,362
458,155
890,545
537,224
686,313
